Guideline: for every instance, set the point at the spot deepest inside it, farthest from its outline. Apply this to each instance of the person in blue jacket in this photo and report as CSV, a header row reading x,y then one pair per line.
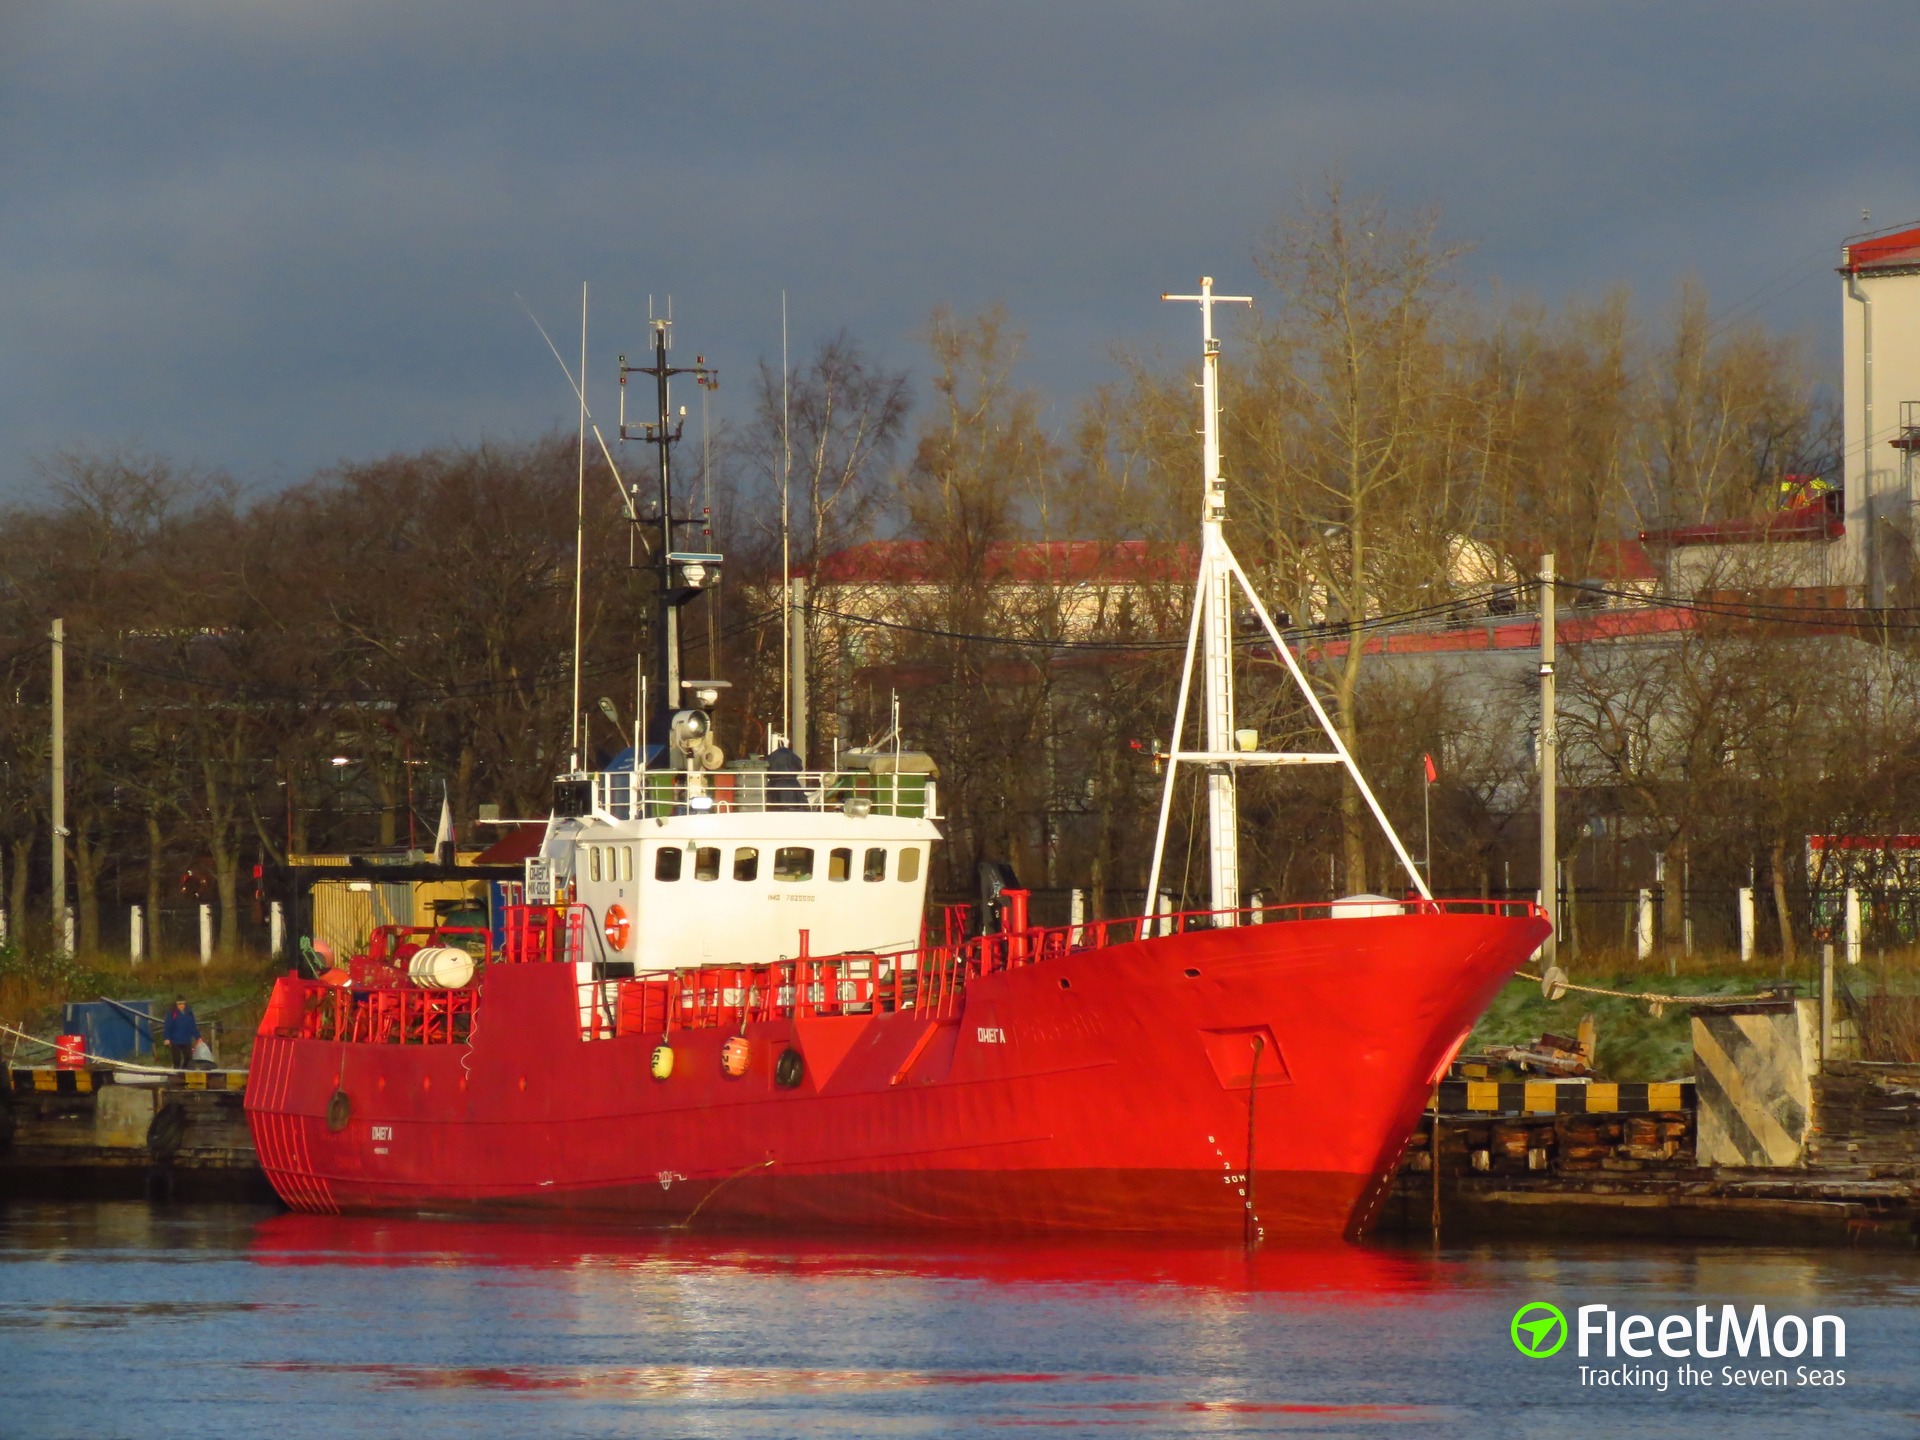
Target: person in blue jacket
x,y
181,1031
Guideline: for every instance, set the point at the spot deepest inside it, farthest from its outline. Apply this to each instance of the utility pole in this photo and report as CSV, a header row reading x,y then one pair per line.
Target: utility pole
x,y
61,935
1549,769
797,626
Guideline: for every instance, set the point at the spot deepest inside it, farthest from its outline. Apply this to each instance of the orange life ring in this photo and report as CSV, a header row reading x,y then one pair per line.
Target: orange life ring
x,y
617,928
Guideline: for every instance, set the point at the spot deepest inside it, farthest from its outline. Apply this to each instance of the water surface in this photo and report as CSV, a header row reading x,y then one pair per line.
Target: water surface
x,y
125,1320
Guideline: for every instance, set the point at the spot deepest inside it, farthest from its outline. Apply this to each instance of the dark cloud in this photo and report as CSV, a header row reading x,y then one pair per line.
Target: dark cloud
x,y
267,238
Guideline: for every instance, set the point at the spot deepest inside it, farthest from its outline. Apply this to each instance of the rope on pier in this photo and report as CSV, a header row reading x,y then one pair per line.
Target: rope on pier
x,y
85,1055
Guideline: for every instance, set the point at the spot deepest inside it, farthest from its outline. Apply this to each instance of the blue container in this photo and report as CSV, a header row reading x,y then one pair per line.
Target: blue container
x,y
119,1030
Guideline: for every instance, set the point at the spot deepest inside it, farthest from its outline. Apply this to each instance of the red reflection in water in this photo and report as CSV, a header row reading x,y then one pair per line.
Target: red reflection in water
x,y
1336,1271
676,1379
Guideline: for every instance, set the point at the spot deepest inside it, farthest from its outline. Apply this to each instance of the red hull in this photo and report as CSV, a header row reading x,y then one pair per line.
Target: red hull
x,y
1104,1090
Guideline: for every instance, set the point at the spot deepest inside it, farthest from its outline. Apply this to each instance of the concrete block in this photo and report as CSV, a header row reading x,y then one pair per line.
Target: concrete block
x,y
121,1115
1753,1067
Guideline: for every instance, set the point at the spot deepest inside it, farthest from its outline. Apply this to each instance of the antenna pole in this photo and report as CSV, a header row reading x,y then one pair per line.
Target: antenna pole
x,y
579,534
680,576
786,532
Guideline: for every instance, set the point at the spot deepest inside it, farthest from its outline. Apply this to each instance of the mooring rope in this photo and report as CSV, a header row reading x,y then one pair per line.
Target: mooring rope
x,y
1652,997
86,1055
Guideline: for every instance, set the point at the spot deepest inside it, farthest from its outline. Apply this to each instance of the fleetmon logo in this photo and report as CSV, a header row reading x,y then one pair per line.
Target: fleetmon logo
x,y
1539,1330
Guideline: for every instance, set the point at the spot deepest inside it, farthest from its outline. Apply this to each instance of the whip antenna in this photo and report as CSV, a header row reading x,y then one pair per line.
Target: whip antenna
x,y
579,530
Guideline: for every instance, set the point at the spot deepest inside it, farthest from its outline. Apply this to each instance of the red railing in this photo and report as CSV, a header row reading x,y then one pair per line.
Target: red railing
x,y
932,979
545,934
381,1005
387,1015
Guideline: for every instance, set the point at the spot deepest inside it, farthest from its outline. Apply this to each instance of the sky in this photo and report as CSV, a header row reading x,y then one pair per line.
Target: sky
x,y
265,238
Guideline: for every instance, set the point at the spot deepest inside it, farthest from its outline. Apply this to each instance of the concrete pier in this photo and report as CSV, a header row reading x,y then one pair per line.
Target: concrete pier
x,y
95,1133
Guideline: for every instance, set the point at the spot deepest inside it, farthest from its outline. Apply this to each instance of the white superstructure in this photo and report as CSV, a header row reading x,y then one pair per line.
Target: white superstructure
x,y
736,871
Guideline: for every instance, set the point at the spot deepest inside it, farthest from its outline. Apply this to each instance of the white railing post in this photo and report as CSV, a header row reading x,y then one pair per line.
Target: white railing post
x,y
1746,924
1643,925
136,935
1076,915
277,929
206,934
1853,926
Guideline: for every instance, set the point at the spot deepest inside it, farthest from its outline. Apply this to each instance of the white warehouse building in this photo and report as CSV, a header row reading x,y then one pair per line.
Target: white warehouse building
x,y
1881,388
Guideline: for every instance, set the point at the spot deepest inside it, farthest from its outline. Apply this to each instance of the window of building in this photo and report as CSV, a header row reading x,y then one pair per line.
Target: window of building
x,y
746,863
840,864
706,863
909,868
593,860
793,862
666,862
876,864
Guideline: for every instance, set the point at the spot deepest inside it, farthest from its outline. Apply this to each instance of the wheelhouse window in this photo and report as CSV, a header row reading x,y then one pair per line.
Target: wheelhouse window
x,y
746,863
876,868
593,860
666,862
909,868
840,864
706,863
793,862
626,862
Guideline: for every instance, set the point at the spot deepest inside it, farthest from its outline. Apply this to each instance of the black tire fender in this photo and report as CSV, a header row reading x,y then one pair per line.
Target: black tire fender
x,y
790,1069
167,1130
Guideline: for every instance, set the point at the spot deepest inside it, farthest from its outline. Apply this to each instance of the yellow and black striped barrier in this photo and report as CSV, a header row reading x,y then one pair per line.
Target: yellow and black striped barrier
x,y
1561,1097
47,1080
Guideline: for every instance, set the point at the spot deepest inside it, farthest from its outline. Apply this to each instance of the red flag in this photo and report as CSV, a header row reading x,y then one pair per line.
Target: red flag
x,y
1432,774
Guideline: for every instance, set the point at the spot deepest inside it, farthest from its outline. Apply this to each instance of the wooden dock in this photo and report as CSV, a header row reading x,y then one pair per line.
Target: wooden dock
x,y
1527,1161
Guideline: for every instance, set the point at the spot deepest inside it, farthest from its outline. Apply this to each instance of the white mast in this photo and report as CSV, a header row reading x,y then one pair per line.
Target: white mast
x,y
1211,631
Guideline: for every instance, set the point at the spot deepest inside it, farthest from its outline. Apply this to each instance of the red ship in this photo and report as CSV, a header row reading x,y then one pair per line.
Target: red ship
x,y
714,1004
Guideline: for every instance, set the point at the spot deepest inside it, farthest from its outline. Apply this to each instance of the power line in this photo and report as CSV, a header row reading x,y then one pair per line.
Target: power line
x,y
264,690
1860,618
1295,635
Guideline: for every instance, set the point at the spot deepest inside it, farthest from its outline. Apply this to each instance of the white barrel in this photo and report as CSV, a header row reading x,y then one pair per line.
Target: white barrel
x,y
441,967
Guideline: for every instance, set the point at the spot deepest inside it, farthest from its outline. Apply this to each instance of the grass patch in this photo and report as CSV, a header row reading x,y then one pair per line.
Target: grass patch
x,y
231,993
1632,1043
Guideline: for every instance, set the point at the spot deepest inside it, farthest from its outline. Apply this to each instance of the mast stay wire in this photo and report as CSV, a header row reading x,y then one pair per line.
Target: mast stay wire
x,y
619,480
